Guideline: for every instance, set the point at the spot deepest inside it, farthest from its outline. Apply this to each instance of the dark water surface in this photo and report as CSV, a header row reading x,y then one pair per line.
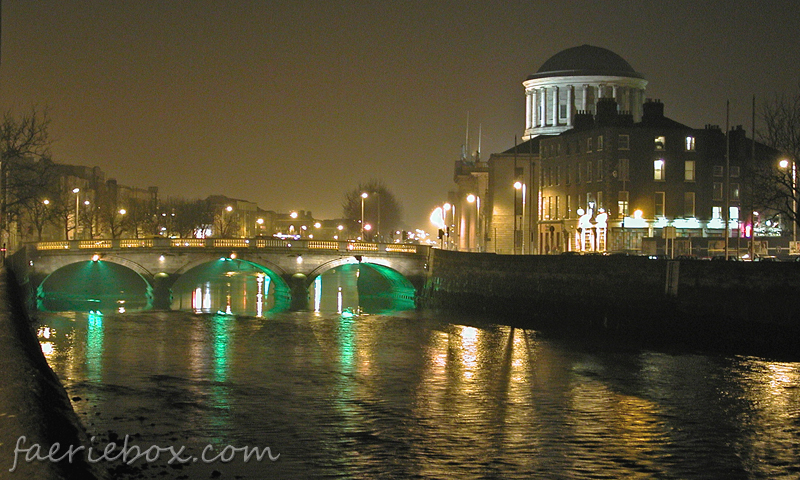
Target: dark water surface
x,y
415,396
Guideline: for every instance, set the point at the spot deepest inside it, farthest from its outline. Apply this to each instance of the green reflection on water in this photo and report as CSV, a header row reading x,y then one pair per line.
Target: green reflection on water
x,y
94,346
93,286
370,288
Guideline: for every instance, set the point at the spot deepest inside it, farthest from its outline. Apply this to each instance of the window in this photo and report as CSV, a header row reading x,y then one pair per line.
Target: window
x,y
717,191
599,143
562,111
623,142
660,142
623,170
568,210
599,170
569,175
734,171
688,204
588,172
519,172
688,170
716,212
578,171
599,200
622,204
590,205
733,213
541,177
658,211
718,170
690,144
558,174
588,145
734,192
569,148
549,207
557,212
658,170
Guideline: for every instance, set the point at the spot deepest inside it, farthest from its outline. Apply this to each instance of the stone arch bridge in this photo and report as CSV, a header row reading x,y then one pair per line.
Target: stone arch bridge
x,y
161,261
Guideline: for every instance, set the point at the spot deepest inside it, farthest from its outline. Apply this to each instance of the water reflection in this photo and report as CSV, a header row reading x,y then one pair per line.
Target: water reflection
x,y
361,287
411,396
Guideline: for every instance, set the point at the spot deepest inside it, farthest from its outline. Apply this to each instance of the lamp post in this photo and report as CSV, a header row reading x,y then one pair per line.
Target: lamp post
x,y
363,196
477,201
519,186
784,165
77,192
447,207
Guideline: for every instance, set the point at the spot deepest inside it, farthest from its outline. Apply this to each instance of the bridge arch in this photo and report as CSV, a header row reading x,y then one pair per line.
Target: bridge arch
x,y
85,285
197,275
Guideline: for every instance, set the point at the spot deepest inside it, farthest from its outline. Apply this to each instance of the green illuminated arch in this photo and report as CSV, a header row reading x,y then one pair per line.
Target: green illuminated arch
x,y
94,286
219,269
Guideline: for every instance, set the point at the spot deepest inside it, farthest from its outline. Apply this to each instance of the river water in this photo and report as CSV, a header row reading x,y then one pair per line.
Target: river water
x,y
415,395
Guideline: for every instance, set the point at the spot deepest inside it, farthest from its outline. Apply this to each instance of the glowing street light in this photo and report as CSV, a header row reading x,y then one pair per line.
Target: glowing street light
x,y
363,196
46,201
122,211
293,214
77,192
519,186
784,164
229,208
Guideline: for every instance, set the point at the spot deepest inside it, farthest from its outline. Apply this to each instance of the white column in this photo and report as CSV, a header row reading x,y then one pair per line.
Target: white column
x,y
528,96
543,107
614,92
555,106
585,97
570,102
534,108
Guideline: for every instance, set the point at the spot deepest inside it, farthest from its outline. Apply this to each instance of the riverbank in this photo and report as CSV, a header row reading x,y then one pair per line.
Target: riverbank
x,y
735,307
33,403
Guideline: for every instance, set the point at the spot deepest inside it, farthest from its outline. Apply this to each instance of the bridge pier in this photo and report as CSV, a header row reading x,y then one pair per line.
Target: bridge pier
x,y
299,288
162,291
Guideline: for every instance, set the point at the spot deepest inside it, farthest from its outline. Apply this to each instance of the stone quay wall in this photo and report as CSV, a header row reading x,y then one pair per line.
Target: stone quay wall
x,y
750,306
33,403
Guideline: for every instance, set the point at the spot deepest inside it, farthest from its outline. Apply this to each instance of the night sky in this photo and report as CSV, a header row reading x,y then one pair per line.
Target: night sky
x,y
290,104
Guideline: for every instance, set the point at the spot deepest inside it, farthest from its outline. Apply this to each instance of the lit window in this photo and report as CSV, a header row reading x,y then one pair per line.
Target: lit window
x,y
588,172
658,211
690,144
622,203
733,213
658,170
557,212
568,211
734,192
734,171
688,204
660,142
688,169
623,142
718,170
717,191
623,170
599,143
716,212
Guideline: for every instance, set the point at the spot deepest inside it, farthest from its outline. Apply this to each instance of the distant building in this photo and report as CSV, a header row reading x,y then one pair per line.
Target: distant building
x,y
609,183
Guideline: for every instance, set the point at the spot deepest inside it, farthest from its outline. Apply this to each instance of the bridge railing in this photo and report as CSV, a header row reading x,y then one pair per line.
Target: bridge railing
x,y
231,244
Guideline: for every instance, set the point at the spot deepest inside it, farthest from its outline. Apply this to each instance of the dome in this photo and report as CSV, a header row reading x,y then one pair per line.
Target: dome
x,y
586,60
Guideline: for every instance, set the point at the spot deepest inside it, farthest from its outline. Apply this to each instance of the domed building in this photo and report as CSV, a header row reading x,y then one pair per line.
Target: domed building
x,y
572,81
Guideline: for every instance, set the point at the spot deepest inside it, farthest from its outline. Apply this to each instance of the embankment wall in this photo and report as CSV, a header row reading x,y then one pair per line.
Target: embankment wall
x,y
729,304
33,403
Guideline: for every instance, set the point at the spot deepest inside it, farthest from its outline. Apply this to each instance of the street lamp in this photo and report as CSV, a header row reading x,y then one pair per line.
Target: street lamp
x,y
363,196
519,186
477,201
77,192
784,165
447,207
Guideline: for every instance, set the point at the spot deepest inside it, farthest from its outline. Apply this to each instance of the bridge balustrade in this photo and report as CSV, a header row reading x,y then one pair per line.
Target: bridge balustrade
x,y
229,243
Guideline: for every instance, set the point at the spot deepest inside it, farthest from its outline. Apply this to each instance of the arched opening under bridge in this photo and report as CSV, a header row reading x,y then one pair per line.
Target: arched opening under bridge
x,y
368,287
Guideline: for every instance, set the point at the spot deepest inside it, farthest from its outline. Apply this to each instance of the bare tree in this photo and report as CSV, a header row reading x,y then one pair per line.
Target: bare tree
x,y
776,186
183,218
24,143
381,210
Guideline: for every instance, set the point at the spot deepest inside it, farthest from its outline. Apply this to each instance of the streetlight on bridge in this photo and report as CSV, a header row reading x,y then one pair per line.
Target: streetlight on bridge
x,y
784,164
364,195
